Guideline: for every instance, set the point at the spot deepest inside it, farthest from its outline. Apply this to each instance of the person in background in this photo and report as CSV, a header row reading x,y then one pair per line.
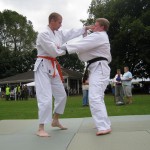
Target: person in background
x,y
26,92
48,76
127,85
118,88
7,92
18,92
113,88
85,89
12,93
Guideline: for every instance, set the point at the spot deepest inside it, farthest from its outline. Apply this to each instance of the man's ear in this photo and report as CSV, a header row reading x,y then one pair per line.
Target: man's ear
x,y
102,27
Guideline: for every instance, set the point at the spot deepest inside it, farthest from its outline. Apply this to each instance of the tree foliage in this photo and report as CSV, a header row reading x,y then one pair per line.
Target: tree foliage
x,y
17,42
129,32
71,62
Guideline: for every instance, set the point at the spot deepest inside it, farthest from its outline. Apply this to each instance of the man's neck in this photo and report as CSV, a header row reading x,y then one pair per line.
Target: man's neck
x,y
53,30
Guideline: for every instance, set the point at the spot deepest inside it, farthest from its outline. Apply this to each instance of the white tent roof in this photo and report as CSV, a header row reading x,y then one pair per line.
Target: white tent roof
x,y
30,84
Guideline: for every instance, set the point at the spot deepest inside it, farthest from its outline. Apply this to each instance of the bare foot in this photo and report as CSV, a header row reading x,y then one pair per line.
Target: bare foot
x,y
57,124
103,132
42,133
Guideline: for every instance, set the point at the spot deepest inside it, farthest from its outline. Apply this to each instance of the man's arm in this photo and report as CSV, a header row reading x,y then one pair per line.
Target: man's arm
x,y
73,33
87,43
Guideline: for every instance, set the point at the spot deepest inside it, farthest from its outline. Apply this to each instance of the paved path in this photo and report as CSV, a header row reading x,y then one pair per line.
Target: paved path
x,y
128,133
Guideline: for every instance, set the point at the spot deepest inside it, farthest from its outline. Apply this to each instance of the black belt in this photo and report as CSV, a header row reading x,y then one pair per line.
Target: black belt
x,y
94,60
85,76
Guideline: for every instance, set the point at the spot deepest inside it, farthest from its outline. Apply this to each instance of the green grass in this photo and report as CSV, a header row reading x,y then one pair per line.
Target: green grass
x,y
28,109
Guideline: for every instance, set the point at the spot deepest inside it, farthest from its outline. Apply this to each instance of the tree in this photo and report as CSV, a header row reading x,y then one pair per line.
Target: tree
x,y
17,40
5,65
17,33
71,62
129,32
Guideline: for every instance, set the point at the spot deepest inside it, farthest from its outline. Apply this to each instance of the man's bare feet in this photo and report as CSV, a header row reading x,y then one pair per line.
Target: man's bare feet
x,y
103,132
57,124
42,133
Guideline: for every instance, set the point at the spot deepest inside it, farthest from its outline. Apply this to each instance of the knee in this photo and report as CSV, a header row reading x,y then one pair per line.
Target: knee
x,y
64,97
45,105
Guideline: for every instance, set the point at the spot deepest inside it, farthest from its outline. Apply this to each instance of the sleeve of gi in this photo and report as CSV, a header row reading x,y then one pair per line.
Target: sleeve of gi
x,y
73,33
88,43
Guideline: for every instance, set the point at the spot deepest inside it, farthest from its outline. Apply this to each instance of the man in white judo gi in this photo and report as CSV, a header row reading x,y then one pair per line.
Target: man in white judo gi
x,y
47,76
95,50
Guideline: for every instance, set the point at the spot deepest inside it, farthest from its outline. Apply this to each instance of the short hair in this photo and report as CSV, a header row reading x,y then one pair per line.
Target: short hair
x,y
54,16
103,22
126,67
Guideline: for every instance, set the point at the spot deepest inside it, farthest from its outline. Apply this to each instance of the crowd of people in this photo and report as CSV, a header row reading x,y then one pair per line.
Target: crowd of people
x,y
16,92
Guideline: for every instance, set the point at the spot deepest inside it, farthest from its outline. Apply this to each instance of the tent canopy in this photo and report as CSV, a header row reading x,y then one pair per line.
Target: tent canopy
x,y
30,84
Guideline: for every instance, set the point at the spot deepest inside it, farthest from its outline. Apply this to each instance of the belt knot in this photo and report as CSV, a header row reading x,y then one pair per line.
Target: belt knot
x,y
53,60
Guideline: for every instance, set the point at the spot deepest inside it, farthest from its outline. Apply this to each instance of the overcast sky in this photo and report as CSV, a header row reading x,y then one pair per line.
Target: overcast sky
x,y
37,11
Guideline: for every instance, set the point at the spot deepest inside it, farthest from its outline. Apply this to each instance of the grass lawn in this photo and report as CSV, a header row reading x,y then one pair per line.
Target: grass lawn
x,y
28,109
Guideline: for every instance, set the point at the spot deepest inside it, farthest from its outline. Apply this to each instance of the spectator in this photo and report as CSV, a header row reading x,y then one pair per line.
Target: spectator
x,y
85,89
7,92
127,85
118,88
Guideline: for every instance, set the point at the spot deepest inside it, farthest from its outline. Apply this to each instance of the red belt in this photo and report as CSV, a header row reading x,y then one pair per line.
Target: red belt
x,y
53,60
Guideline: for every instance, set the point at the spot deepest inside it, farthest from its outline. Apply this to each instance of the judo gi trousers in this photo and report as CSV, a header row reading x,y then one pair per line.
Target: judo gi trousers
x,y
98,81
48,87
